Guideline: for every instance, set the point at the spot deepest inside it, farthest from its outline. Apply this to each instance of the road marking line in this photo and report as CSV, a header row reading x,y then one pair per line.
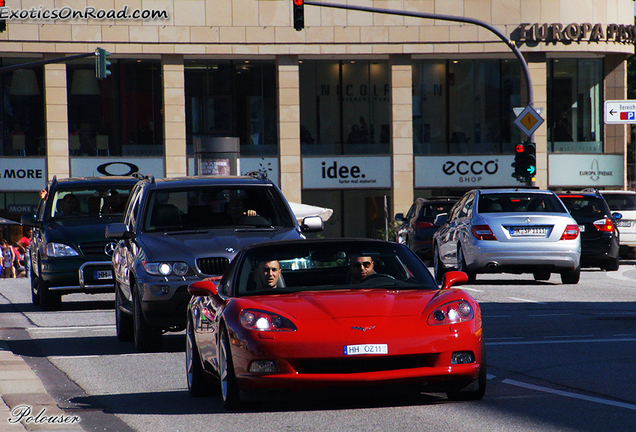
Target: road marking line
x,y
526,300
619,274
95,327
547,315
472,289
548,342
569,394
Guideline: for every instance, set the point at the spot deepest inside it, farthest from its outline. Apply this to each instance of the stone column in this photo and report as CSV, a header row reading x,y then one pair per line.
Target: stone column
x,y
615,88
537,64
401,133
56,118
289,127
174,115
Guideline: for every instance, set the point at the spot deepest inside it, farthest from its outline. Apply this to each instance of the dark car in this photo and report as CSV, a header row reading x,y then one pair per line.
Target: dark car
x,y
319,322
418,226
69,251
600,239
180,230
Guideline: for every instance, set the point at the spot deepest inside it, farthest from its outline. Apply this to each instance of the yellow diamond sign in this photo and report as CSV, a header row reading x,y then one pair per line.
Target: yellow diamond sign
x,y
529,120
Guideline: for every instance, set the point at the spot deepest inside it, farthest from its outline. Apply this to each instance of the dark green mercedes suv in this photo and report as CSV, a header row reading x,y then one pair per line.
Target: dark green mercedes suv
x,y
69,251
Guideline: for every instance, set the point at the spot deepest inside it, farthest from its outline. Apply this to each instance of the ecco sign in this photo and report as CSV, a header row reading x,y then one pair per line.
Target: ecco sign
x,y
464,171
346,172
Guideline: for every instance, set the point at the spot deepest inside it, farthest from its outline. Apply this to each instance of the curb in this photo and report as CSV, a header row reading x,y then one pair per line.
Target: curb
x,y
24,402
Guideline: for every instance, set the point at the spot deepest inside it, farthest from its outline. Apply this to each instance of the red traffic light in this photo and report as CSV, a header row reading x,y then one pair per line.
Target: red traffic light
x,y
296,2
519,148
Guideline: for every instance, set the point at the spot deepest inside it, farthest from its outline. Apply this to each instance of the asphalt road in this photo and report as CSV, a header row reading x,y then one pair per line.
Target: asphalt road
x,y
560,358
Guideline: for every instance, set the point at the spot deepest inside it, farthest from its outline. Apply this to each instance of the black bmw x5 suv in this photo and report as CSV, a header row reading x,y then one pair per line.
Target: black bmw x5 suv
x,y
180,230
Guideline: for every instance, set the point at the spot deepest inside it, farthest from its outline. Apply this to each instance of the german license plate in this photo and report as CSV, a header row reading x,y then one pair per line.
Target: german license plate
x,y
528,231
103,274
366,349
622,223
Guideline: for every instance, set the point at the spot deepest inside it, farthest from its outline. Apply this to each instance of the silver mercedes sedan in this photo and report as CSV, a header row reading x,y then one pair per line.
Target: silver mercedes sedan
x,y
508,231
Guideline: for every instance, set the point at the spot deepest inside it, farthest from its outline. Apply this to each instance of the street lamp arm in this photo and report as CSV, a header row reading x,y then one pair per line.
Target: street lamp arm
x,y
511,44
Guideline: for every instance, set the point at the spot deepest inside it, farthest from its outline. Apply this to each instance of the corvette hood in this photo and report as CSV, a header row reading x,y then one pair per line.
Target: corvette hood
x,y
206,243
353,303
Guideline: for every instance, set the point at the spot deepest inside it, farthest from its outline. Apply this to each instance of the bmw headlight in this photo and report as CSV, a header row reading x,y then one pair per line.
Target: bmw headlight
x,y
166,268
57,250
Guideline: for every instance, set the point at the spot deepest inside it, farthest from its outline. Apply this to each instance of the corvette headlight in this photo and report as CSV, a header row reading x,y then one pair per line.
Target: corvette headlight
x,y
166,268
57,250
451,313
253,319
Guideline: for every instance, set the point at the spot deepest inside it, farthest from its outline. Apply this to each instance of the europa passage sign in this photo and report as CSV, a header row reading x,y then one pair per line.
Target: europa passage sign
x,y
575,32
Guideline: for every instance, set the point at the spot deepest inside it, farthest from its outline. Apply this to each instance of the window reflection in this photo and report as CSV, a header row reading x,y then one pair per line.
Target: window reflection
x,y
464,106
22,115
345,107
574,100
232,99
117,116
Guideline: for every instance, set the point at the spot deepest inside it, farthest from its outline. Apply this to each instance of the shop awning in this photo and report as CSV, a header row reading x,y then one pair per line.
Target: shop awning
x,y
304,210
4,221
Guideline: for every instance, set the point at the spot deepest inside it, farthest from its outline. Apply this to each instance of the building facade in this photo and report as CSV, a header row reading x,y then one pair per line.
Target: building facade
x,y
360,112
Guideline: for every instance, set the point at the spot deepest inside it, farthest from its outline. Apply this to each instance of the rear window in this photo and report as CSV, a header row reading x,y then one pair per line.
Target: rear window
x,y
620,201
519,203
431,210
584,206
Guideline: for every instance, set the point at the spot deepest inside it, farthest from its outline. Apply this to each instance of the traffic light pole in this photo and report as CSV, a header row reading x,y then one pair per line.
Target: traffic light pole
x,y
510,43
44,62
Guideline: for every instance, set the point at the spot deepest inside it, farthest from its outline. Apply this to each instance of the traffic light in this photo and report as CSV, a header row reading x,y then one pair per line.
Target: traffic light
x,y
299,14
101,63
530,159
519,163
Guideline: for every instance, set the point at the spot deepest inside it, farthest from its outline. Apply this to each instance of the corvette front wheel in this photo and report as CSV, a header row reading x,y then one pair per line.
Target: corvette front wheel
x,y
229,386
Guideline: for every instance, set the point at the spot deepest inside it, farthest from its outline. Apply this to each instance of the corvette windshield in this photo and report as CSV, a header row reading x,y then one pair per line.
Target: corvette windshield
x,y
331,266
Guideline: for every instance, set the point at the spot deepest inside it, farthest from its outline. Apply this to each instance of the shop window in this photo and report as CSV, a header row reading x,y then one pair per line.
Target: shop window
x,y
345,107
117,116
22,115
464,106
232,99
574,105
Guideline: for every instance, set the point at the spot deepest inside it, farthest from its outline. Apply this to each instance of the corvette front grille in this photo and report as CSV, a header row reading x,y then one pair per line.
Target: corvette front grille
x,y
213,265
362,364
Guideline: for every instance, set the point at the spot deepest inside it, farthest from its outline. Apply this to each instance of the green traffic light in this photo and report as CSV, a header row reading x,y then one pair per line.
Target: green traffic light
x,y
101,63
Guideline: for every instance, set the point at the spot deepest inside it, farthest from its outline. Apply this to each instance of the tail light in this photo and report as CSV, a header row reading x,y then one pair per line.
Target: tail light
x,y
483,232
604,225
422,225
571,232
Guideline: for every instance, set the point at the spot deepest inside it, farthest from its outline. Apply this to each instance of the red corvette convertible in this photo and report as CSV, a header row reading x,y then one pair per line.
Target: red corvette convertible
x,y
330,313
